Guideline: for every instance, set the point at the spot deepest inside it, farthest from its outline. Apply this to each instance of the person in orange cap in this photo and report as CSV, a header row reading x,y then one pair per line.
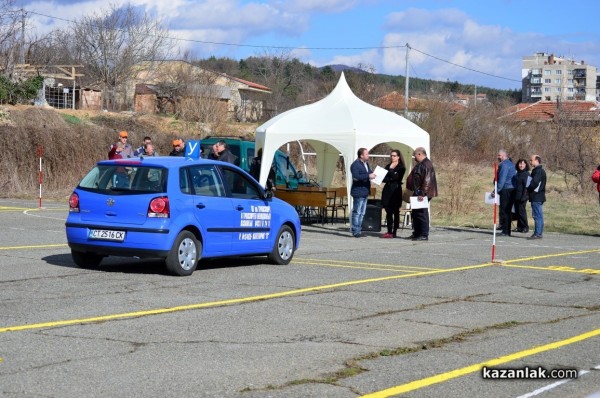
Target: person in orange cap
x,y
178,148
122,149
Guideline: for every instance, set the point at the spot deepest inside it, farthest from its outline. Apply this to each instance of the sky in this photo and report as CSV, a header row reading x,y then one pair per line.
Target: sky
x,y
479,42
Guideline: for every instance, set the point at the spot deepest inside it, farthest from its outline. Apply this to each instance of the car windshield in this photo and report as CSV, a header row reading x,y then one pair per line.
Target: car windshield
x,y
126,179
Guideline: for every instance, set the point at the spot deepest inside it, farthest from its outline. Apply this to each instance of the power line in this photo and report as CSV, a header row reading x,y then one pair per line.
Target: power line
x,y
465,67
242,45
301,48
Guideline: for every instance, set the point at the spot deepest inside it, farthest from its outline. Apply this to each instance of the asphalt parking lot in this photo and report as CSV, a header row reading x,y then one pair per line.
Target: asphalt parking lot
x,y
349,317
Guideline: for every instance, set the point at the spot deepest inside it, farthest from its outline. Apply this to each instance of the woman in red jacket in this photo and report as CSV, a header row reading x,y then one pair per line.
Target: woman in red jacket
x,y
596,179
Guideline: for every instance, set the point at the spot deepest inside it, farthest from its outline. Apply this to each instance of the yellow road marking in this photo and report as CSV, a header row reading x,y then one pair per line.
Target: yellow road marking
x,y
418,384
361,263
157,311
558,268
353,266
518,260
32,246
14,208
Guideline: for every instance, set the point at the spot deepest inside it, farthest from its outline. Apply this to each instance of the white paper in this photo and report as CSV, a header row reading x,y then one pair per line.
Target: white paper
x,y
489,200
528,182
538,187
380,173
415,204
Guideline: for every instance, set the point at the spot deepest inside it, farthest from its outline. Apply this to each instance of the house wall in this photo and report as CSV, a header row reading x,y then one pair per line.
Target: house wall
x,y
145,103
90,100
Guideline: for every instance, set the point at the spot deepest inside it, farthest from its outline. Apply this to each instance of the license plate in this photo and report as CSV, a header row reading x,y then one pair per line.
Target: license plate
x,y
105,234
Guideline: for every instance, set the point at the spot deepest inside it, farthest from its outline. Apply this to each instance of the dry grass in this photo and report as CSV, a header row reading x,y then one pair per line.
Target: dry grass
x,y
565,211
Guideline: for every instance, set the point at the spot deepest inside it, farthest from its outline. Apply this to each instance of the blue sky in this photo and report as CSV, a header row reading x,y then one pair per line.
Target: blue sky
x,y
488,36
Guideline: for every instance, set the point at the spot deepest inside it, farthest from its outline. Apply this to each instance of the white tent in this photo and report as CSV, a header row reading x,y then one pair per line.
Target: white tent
x,y
340,123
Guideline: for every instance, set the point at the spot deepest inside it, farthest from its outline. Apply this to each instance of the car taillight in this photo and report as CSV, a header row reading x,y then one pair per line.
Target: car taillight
x,y
159,207
74,203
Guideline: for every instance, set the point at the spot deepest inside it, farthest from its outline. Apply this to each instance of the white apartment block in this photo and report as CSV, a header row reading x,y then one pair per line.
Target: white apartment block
x,y
549,78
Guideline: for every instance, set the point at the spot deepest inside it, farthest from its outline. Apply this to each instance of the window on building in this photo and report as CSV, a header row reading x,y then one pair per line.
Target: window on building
x,y
536,71
536,80
569,81
557,81
557,89
547,72
548,81
547,89
558,72
570,72
570,90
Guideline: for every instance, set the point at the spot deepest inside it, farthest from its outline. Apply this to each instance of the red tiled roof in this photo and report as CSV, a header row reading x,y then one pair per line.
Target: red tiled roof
x,y
395,101
250,84
543,111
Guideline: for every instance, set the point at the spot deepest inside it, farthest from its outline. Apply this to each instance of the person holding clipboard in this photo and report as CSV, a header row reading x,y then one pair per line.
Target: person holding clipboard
x,y
422,182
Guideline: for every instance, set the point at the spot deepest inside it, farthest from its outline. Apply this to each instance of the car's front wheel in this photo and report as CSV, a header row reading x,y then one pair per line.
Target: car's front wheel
x,y
86,260
183,257
284,248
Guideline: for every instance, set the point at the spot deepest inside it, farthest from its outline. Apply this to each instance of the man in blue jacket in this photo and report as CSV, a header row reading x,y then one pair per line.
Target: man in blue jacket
x,y
507,175
362,174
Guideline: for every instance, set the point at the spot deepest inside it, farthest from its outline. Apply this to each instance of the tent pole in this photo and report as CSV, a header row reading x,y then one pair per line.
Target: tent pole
x,y
406,84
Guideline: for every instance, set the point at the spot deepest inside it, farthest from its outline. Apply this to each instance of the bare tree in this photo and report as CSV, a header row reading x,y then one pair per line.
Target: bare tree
x,y
283,74
10,33
110,43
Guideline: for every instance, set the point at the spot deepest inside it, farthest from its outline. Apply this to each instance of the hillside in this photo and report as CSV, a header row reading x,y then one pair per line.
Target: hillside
x,y
73,140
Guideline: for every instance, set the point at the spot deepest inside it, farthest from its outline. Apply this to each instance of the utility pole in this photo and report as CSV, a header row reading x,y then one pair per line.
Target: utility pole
x,y
475,103
406,84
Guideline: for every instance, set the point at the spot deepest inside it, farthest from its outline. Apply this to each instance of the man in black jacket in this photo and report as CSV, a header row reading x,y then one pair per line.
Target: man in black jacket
x,y
220,151
537,195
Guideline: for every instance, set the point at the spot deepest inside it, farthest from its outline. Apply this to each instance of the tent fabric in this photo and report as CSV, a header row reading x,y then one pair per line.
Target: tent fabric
x,y
340,123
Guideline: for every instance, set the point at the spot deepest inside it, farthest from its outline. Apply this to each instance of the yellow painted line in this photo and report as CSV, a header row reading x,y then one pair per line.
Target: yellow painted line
x,y
418,384
32,246
14,208
518,260
361,263
556,268
168,310
353,266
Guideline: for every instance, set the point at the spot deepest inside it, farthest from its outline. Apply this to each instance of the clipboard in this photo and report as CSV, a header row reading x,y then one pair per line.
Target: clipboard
x,y
416,204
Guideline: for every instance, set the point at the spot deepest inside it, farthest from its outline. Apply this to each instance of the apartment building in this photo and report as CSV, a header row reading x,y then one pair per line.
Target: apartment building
x,y
547,77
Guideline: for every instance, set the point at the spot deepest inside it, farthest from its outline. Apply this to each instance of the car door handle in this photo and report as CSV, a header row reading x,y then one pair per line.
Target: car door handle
x,y
201,205
239,207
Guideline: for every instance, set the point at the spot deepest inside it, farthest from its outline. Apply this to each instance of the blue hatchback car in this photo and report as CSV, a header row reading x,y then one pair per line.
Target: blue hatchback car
x,y
177,209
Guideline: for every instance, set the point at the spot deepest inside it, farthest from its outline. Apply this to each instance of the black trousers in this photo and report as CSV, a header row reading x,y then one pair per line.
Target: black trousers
x,y
521,209
420,221
506,203
392,218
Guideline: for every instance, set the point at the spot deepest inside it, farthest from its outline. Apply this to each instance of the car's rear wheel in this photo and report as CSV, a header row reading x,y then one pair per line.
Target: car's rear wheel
x,y
183,257
284,248
85,259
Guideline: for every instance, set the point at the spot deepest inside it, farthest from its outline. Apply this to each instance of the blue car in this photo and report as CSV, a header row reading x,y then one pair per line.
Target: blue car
x,y
177,209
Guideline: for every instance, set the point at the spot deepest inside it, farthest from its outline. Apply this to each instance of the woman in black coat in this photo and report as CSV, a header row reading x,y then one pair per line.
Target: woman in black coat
x,y
391,197
521,195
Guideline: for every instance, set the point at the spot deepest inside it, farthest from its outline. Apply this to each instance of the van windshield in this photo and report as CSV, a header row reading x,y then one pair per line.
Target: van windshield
x,y
129,180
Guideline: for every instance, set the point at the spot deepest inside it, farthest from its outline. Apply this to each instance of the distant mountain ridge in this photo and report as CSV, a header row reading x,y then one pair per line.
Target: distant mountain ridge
x,y
343,68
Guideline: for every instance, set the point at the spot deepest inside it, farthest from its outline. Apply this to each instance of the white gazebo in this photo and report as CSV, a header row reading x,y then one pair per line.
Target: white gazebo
x,y
340,123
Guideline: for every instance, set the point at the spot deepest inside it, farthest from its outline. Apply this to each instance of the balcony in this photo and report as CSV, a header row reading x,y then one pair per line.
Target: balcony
x,y
579,73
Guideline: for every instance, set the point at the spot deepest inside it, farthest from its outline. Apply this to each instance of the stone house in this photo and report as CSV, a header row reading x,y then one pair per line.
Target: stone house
x,y
165,86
